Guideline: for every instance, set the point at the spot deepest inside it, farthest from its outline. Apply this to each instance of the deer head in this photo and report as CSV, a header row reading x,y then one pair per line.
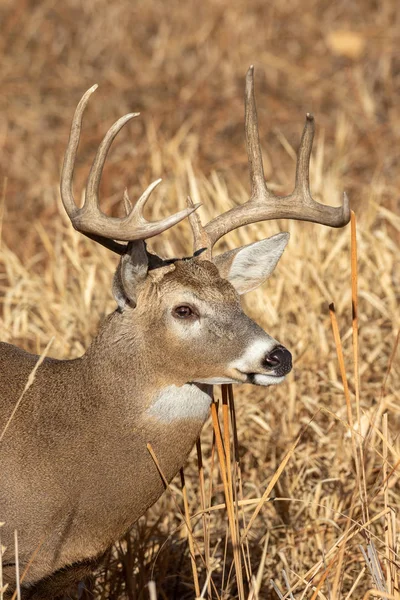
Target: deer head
x,y
191,306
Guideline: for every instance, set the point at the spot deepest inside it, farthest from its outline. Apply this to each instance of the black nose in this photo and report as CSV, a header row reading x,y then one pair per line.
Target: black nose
x,y
280,360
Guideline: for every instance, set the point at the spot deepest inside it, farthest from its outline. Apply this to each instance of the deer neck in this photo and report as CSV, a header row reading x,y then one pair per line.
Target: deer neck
x,y
137,409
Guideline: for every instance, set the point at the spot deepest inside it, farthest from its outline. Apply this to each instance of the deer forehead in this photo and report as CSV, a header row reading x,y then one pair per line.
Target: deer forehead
x,y
202,279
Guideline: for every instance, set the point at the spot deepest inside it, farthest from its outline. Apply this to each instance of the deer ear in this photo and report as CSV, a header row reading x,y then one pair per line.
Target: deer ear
x,y
131,271
249,266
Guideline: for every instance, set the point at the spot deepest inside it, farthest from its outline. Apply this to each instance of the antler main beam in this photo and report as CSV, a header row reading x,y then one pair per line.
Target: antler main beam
x,y
263,205
89,219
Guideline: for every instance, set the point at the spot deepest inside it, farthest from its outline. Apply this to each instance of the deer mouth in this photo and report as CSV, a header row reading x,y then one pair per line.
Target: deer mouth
x,y
263,378
255,378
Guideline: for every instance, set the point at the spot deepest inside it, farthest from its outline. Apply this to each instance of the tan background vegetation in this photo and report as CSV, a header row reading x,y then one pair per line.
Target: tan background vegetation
x,y
182,65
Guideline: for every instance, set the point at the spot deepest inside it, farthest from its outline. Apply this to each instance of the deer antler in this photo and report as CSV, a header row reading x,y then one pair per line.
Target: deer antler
x,y
89,219
263,205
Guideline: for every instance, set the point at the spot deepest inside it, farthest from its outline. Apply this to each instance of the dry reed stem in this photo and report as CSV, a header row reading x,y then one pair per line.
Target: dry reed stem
x,y
259,577
152,590
385,489
339,351
354,304
355,447
227,439
238,484
354,298
390,524
17,593
228,499
232,461
228,466
204,517
2,588
356,357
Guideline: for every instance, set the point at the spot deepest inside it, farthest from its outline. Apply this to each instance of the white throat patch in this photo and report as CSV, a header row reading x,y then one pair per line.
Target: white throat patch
x,y
175,403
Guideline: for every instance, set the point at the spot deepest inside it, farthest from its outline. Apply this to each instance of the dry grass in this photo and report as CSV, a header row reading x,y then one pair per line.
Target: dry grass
x,y
183,66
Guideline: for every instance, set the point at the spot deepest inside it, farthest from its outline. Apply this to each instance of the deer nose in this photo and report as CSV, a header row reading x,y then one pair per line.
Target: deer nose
x,y
280,360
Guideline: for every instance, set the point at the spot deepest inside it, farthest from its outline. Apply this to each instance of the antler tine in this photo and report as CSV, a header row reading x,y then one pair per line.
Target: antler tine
x,y
257,180
310,210
263,205
302,183
200,238
70,155
89,219
93,182
127,202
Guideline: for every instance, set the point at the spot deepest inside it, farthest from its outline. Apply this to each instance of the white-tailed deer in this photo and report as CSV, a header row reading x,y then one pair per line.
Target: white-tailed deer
x,y
75,472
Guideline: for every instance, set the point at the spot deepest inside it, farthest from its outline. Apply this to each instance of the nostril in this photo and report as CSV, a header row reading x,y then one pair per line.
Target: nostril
x,y
279,357
273,359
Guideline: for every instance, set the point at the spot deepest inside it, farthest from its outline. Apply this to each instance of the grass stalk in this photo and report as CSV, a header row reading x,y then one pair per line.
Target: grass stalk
x,y
228,500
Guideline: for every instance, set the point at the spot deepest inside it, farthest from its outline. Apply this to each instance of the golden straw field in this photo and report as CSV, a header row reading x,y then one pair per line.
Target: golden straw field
x,y
324,492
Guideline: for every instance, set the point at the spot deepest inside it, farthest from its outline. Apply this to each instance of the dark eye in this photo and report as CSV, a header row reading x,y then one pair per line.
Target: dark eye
x,y
183,312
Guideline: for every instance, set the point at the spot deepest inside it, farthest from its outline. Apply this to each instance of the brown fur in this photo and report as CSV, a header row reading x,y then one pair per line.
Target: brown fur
x,y
75,469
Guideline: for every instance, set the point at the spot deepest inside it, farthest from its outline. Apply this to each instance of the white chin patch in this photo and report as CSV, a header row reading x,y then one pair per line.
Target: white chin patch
x,y
255,378
267,379
217,380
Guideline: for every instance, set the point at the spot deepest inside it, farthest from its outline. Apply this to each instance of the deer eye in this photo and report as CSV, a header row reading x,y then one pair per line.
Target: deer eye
x,y
184,312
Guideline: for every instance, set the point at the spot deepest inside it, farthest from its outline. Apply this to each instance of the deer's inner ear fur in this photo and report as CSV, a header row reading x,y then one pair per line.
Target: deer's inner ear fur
x,y
249,266
131,271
